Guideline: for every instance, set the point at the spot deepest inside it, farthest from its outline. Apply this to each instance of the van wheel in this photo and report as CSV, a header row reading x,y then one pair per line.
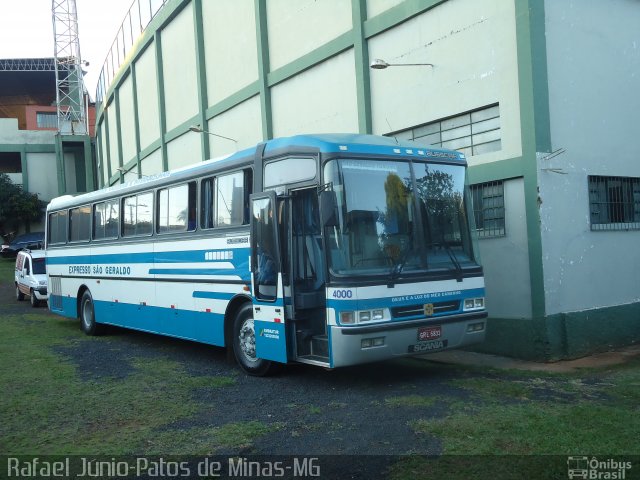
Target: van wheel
x,y
88,322
33,299
19,294
244,345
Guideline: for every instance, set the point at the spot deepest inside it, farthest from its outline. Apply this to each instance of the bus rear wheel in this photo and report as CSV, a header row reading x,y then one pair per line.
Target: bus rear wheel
x,y
19,294
88,322
244,344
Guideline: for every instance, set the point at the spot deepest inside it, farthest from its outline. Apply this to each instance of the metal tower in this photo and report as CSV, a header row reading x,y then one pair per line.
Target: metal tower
x,y
70,95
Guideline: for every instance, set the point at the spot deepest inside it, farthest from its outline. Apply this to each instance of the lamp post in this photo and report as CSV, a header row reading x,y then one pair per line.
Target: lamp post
x,y
198,129
379,64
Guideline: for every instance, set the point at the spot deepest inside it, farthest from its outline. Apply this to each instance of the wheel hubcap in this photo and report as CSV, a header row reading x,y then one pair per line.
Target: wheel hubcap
x,y
87,314
247,340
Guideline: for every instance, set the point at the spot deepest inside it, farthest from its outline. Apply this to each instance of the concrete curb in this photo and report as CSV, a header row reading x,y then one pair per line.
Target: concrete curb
x,y
605,359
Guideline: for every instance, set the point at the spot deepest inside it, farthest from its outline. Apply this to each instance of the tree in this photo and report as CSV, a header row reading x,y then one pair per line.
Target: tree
x,y
17,207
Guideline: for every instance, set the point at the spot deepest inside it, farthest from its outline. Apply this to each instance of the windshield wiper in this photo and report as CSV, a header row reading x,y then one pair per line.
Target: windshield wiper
x,y
454,260
397,268
452,257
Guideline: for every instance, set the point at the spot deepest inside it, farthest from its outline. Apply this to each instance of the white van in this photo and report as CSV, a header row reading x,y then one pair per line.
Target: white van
x,y
31,276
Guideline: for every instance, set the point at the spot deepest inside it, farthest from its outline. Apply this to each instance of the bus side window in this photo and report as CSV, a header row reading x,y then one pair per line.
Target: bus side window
x,y
206,203
176,208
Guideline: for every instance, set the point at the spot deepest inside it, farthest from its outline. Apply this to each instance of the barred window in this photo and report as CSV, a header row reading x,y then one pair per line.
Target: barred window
x,y
614,203
472,133
488,208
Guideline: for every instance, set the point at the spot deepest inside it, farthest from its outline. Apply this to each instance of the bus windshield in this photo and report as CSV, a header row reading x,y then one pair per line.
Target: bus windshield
x,y
398,218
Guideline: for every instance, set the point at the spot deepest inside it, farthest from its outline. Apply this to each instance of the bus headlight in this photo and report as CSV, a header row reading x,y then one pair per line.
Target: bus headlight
x,y
372,342
473,303
364,316
347,317
475,327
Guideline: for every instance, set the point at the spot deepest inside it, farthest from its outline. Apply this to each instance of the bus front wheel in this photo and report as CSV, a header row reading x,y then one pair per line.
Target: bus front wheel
x,y
88,322
244,344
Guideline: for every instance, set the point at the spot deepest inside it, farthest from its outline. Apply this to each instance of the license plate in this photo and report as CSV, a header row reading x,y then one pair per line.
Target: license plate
x,y
429,333
425,347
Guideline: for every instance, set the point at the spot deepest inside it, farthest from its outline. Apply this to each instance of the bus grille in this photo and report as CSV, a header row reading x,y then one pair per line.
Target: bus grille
x,y
418,310
55,293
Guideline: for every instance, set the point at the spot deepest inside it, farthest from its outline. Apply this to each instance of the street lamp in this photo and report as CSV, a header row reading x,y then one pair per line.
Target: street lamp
x,y
198,129
379,64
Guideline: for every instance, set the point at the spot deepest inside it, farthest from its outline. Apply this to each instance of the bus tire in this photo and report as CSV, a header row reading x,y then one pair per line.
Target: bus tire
x,y
19,294
244,344
88,322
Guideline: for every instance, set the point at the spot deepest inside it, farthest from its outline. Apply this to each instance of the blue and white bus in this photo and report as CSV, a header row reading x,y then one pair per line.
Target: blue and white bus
x,y
331,250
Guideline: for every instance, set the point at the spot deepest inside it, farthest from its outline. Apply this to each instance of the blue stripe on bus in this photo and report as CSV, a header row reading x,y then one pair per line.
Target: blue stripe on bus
x,y
364,304
193,271
204,327
214,295
241,256
69,305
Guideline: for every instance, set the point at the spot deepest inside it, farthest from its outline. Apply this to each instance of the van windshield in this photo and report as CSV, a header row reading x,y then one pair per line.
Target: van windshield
x,y
39,266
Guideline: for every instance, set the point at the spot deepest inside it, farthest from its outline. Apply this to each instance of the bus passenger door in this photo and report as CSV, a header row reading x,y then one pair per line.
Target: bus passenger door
x,y
306,265
266,279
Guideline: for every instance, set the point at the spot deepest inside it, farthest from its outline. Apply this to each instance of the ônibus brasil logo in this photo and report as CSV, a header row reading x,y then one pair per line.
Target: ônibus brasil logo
x,y
592,468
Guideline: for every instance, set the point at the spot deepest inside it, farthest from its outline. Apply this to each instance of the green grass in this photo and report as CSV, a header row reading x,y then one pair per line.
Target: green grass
x,y
543,416
411,401
48,409
209,440
7,269
535,422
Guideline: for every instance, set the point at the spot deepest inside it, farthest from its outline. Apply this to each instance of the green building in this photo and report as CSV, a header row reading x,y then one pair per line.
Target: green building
x,y
542,96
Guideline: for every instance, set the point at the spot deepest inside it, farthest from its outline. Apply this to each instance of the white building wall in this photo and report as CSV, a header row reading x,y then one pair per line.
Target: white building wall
x,y
127,120
147,96
152,163
593,54
70,173
43,175
506,259
102,138
299,27
231,51
319,100
179,69
242,123
473,48
114,150
376,7
41,167
184,150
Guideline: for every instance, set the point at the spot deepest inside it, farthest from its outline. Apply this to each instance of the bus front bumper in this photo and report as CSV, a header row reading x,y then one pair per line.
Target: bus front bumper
x,y
372,343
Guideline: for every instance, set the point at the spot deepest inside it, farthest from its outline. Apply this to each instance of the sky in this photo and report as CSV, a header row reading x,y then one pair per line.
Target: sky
x,y
26,31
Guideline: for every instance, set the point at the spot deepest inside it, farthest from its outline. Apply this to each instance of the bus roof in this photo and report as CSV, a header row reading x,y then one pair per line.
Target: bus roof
x,y
363,144
328,143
